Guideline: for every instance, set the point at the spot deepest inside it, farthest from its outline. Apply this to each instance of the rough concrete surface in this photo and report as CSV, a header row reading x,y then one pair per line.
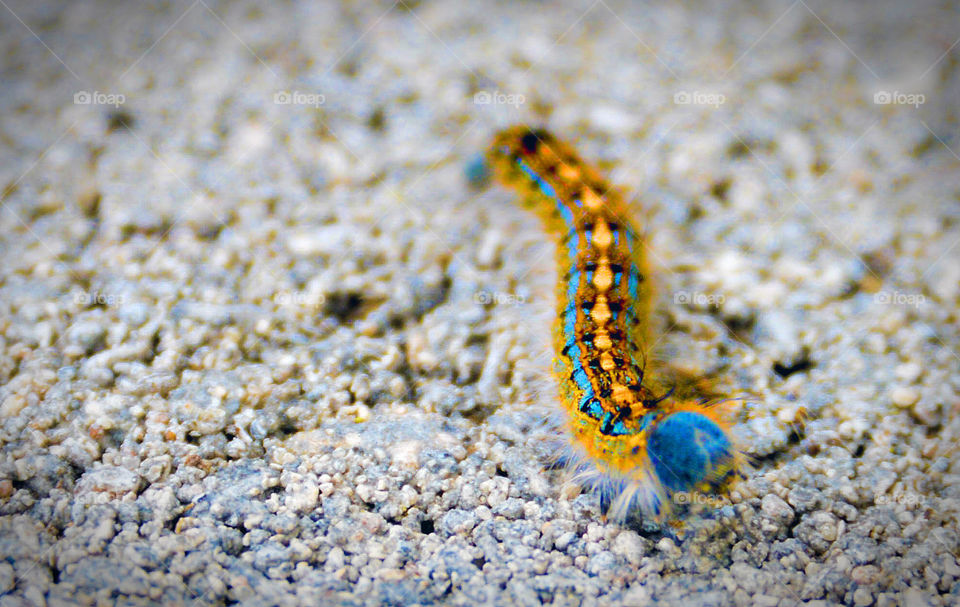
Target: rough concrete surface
x,y
267,338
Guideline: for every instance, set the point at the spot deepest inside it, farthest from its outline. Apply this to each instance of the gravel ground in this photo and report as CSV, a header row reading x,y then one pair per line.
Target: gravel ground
x,y
265,338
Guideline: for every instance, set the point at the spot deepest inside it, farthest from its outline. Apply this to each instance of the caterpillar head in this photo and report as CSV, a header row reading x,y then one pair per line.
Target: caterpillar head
x,y
688,449
685,455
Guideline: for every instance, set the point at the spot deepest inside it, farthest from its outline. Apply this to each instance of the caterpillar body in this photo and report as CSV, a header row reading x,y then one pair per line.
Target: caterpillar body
x,y
630,437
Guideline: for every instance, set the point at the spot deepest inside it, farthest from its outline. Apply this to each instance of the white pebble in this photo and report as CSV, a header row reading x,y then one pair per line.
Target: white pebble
x,y
904,396
909,373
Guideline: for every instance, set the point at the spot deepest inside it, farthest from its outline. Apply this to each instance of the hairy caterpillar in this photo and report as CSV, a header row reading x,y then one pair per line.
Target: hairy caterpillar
x,y
632,439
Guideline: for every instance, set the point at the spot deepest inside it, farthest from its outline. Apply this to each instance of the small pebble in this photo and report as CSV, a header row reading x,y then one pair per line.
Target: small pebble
x,y
905,396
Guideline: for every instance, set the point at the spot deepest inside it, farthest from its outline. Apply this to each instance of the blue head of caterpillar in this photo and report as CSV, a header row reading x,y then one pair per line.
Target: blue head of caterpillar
x,y
683,455
687,449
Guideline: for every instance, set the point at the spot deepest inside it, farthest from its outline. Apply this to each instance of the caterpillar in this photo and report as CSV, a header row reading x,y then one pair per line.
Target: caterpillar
x,y
630,437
